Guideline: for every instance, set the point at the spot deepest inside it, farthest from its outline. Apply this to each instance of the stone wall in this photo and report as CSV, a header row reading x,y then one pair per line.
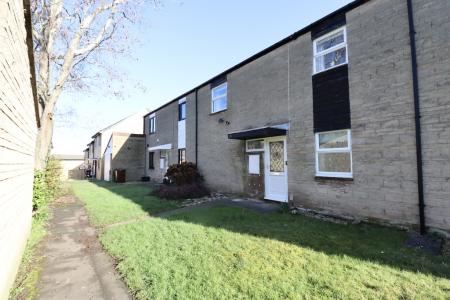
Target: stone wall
x,y
276,88
127,153
384,185
432,20
166,133
257,96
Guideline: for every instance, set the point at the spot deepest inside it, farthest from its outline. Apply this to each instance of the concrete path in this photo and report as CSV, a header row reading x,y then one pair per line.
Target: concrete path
x,y
75,266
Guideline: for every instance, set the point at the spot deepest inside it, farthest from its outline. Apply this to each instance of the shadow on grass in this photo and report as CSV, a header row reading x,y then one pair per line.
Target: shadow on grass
x,y
377,244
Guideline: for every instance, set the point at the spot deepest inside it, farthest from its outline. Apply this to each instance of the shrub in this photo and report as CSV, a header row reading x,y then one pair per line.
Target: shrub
x,y
176,192
184,173
40,193
182,181
53,177
46,185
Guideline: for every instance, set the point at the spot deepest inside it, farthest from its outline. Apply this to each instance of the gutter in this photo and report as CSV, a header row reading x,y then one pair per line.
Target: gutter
x,y
415,78
30,46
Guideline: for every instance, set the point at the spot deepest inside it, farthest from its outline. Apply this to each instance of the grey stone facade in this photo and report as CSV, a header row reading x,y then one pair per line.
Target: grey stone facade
x,y
166,133
127,152
432,18
276,88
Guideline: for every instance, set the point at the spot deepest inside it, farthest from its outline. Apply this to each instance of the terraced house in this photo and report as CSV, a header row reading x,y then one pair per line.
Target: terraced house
x,y
348,116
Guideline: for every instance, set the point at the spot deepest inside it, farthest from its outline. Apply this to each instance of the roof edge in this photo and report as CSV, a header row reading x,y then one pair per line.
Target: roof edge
x,y
277,45
30,46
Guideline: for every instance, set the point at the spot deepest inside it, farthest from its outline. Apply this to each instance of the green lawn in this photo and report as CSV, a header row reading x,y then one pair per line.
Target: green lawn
x,y
233,253
109,203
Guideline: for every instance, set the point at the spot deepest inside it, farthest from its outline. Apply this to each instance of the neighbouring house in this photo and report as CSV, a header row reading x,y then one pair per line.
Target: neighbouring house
x,y
89,162
19,123
169,138
124,152
72,166
347,116
130,124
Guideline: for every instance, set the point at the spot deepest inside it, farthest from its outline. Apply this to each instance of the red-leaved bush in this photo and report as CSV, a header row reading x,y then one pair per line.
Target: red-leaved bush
x,y
184,173
183,181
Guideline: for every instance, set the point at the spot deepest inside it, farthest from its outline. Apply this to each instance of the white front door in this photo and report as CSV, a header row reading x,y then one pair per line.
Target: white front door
x,y
276,187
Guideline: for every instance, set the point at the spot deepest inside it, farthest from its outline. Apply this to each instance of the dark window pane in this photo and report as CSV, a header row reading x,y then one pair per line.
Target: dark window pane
x,y
182,111
150,160
181,156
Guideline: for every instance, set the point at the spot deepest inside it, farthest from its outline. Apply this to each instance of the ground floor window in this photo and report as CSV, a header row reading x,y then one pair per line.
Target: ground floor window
x,y
254,145
163,159
334,154
181,156
151,158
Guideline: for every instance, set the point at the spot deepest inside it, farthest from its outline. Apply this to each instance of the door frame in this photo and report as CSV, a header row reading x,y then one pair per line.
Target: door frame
x,y
267,168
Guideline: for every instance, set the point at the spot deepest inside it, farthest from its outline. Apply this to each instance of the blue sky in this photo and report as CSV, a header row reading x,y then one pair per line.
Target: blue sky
x,y
185,44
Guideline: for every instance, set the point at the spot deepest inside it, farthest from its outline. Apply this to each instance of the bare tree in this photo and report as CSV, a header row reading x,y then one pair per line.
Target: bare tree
x,y
76,43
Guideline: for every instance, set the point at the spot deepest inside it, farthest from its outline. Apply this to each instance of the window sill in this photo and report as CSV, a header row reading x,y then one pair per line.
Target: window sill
x,y
333,67
322,178
218,112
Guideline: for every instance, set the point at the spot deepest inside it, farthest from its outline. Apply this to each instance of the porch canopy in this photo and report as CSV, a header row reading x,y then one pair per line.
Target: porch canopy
x,y
161,147
261,132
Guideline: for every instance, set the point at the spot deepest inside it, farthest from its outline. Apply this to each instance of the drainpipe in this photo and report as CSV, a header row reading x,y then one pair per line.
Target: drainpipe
x,y
196,127
415,78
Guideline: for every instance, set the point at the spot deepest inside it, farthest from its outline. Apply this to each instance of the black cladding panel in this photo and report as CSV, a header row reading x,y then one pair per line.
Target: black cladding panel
x,y
328,25
331,100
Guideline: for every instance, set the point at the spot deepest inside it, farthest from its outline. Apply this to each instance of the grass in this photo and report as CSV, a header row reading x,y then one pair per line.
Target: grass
x,y
233,253
29,270
109,203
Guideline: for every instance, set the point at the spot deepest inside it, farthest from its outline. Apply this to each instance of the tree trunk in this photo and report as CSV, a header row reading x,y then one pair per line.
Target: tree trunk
x,y
44,141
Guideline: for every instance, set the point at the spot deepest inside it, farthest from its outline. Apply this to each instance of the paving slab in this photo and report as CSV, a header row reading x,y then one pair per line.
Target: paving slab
x,y
75,265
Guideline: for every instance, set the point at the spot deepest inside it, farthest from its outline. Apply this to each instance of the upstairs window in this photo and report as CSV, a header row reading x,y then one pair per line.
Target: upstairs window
x,y
152,125
182,111
330,50
219,98
334,154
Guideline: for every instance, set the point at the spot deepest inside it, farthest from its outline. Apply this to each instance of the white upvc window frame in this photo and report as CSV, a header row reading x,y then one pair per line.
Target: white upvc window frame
x,y
347,149
254,150
332,49
152,129
213,99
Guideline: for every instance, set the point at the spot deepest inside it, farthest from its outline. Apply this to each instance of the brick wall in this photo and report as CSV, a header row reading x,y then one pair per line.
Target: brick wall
x,y
17,141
